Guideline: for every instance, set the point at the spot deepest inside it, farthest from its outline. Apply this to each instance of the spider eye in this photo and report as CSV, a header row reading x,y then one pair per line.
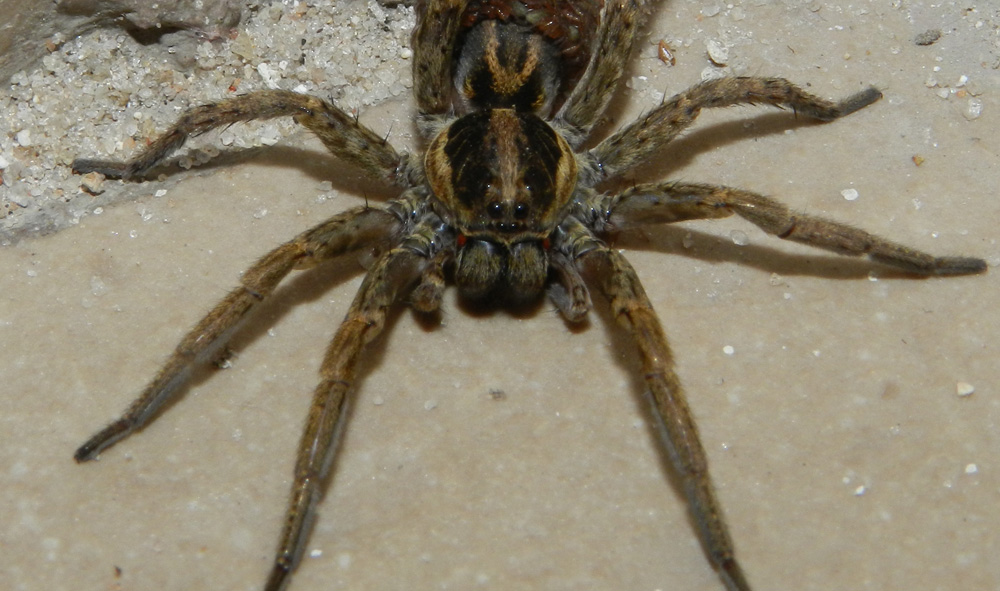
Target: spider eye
x,y
495,210
521,211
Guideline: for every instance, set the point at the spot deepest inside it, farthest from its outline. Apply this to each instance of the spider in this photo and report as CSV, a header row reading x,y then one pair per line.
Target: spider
x,y
507,204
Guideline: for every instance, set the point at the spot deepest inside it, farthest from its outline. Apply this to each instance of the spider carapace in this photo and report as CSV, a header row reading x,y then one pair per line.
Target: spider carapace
x,y
507,204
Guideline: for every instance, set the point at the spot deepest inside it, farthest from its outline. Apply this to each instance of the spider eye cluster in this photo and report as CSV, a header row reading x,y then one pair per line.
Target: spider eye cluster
x,y
499,210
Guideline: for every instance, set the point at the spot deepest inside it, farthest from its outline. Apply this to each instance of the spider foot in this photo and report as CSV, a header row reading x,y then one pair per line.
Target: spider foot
x,y
101,440
858,101
109,168
959,266
733,577
279,577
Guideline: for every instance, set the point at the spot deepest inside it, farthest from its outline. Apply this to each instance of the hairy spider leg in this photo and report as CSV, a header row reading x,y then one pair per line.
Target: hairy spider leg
x,y
676,201
343,233
392,277
340,132
634,144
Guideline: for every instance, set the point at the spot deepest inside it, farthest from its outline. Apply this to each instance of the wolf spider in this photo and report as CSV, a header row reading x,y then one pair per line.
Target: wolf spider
x,y
504,204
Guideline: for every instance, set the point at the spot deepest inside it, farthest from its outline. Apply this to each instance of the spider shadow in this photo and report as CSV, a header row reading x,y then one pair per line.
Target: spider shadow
x,y
310,286
626,358
315,162
715,250
704,246
702,139
622,343
305,287
689,243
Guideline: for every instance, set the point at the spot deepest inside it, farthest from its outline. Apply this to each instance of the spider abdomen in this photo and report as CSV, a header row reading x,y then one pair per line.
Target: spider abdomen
x,y
506,66
569,26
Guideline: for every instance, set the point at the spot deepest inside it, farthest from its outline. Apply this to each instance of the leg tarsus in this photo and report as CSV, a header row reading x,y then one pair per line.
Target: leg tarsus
x,y
109,168
732,575
858,101
102,439
279,577
822,110
946,266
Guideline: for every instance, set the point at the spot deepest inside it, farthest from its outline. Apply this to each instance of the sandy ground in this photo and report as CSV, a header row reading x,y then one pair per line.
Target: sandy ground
x,y
507,452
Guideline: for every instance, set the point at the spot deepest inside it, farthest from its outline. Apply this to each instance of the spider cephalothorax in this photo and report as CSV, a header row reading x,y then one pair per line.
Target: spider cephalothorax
x,y
504,180
506,93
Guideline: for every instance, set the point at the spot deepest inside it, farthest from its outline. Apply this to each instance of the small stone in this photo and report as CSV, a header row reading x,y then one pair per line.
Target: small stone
x,y
928,37
93,183
973,109
718,53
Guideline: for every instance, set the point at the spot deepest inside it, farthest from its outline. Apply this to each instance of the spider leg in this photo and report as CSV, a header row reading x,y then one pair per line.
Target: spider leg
x,y
679,435
393,275
590,97
343,233
438,25
635,143
569,292
427,295
340,132
673,201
